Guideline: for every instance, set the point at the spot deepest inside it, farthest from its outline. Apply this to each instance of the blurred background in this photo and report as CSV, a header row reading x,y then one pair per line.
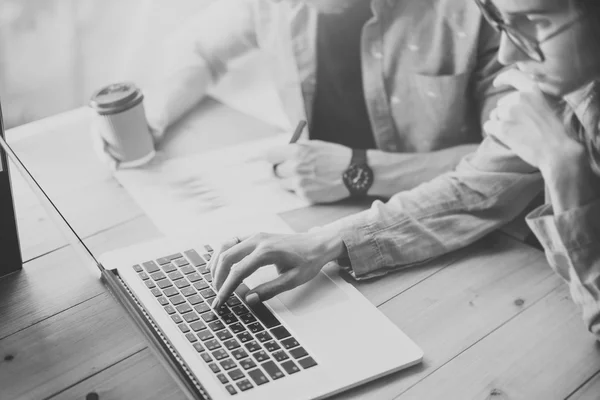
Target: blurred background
x,y
55,53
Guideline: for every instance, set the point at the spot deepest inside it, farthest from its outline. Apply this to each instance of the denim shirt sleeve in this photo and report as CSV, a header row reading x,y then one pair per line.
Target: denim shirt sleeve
x,y
571,241
488,189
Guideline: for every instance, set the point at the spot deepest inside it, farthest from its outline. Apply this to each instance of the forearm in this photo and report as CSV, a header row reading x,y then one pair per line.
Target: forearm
x,y
396,172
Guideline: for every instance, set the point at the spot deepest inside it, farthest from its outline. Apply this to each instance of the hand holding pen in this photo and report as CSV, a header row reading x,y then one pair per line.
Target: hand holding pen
x,y
295,136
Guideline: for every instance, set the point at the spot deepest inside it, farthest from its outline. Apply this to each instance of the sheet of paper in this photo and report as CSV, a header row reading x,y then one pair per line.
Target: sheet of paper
x,y
224,190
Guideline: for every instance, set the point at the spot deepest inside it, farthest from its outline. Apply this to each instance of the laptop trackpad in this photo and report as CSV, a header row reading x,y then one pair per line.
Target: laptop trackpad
x,y
319,294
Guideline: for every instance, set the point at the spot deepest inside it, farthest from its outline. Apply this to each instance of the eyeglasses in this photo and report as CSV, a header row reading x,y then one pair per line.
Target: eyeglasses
x,y
528,45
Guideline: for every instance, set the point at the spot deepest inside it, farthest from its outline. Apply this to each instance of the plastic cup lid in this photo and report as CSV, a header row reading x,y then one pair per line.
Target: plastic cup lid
x,y
116,97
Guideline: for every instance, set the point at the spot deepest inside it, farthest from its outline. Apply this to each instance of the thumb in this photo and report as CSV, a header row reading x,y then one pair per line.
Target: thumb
x,y
279,154
284,282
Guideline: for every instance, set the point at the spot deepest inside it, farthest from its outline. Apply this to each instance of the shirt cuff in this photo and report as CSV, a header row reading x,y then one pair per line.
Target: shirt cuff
x,y
571,230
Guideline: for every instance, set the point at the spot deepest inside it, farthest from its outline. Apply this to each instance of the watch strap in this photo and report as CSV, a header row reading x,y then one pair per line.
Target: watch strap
x,y
359,157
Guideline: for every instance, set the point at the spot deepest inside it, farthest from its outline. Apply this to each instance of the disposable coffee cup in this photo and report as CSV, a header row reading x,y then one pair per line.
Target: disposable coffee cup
x,y
122,120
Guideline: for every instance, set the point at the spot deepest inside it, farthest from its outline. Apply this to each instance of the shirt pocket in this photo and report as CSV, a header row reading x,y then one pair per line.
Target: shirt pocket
x,y
443,112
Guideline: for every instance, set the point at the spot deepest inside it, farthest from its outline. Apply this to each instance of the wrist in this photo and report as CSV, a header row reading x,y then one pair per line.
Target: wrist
x,y
330,244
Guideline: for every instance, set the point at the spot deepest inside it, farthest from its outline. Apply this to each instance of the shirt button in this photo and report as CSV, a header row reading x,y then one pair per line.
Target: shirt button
x,y
395,100
431,94
413,47
377,53
461,34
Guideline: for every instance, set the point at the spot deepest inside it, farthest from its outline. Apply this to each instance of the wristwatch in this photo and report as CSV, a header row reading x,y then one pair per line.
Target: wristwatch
x,y
358,177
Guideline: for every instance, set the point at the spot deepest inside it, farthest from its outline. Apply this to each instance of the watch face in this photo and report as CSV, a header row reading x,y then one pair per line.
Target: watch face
x,y
358,178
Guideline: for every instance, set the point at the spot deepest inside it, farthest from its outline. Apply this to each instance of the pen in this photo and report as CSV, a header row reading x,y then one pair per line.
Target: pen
x,y
298,131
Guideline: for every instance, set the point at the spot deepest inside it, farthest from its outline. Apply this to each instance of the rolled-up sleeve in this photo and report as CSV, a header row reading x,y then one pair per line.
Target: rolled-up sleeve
x,y
488,189
571,241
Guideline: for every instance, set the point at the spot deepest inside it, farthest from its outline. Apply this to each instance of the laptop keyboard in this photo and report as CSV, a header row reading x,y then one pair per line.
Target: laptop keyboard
x,y
243,346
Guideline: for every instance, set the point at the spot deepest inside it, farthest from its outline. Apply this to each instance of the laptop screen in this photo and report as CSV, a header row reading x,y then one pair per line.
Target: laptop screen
x,y
11,260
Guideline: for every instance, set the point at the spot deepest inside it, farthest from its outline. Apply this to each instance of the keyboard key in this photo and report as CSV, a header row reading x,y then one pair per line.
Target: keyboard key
x,y
208,248
240,310
170,292
208,277
216,326
214,367
206,357
231,344
307,362
207,293
150,267
244,337
205,335
229,319
191,337
169,309
247,318
206,257
137,268
235,374
165,283
183,308
290,343
239,354
252,346
202,308
256,327
195,299
183,328
280,355
199,348
201,285
197,326
163,260
273,370
212,344
209,316
188,291
174,256
150,284
258,377
177,318
231,389
181,283
181,262
263,337
168,268
222,377
247,363
175,275
298,352
280,332
244,385
272,346
157,276
163,301
233,301
219,354
194,258
188,269
223,310
260,356
194,277
290,367
156,292
237,328
191,317
144,275
203,269
224,335
227,365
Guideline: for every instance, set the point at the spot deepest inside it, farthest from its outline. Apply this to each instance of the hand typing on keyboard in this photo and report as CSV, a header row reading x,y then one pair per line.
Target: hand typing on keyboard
x,y
297,257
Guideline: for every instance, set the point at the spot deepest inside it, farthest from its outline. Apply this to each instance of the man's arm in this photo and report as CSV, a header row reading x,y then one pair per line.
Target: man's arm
x,y
396,172
488,189
197,56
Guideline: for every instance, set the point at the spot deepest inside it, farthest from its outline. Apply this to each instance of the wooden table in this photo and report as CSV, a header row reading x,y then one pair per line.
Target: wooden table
x,y
493,319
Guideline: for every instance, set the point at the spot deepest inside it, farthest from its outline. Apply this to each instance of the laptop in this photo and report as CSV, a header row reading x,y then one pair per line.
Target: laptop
x,y
9,240
309,343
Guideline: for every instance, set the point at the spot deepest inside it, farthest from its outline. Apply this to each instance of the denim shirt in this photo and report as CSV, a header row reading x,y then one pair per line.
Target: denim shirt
x,y
427,65
487,190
